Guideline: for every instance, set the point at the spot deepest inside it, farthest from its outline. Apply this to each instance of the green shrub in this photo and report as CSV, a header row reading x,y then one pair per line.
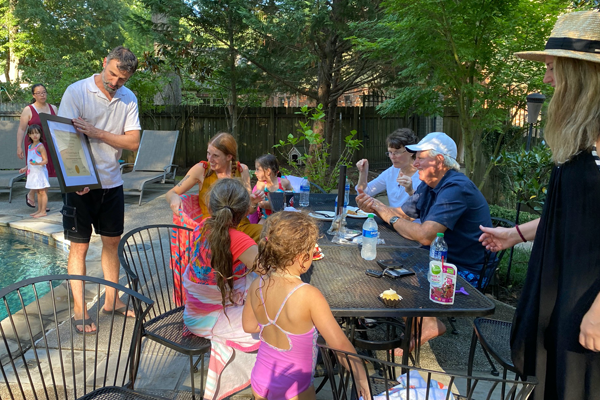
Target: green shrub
x,y
511,214
316,161
528,173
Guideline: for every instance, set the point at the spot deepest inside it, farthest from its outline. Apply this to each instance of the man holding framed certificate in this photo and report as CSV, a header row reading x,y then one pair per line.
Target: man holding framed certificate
x,y
106,112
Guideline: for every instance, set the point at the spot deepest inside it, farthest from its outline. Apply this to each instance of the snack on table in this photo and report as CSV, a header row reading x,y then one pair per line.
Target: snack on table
x,y
318,254
352,212
390,298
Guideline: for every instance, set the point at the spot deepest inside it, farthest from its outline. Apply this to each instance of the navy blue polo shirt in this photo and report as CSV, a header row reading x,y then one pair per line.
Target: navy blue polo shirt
x,y
457,204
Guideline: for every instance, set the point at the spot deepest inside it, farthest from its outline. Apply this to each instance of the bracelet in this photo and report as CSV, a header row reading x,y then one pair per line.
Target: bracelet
x,y
520,234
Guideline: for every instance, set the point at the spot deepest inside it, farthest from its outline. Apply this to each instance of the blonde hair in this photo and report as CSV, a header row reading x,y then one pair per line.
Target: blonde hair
x,y
286,235
574,111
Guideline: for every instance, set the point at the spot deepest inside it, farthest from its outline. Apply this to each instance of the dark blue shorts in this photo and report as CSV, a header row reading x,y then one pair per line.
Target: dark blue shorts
x,y
104,209
472,278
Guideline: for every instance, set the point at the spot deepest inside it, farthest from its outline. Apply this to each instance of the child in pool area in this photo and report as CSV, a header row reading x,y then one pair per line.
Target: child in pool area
x,y
267,171
37,172
287,313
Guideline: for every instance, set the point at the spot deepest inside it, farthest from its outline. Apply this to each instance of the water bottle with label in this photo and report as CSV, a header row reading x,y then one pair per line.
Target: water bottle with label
x,y
346,196
438,251
370,233
304,193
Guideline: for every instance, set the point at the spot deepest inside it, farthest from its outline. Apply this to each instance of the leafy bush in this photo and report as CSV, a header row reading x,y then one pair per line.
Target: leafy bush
x,y
511,214
317,167
528,173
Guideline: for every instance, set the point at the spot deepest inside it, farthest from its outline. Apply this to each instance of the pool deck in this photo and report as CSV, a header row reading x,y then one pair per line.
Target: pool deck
x,y
448,352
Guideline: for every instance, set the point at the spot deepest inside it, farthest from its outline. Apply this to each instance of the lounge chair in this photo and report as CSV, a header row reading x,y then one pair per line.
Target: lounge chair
x,y
9,162
153,162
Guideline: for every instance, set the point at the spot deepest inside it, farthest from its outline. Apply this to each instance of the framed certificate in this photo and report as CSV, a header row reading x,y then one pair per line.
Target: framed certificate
x,y
71,154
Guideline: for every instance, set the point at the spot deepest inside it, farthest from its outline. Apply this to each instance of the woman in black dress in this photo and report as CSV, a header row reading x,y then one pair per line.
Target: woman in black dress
x,y
556,329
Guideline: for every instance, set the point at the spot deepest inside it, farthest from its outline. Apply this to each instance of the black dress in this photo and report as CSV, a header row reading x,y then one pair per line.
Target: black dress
x,y
562,282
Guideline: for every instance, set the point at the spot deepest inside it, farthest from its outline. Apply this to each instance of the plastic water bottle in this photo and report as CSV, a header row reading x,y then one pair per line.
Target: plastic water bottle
x,y
438,250
346,196
304,193
369,241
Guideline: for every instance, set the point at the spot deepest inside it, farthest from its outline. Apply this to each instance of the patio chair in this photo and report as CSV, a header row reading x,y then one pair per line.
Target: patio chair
x,y
489,273
152,258
420,381
494,335
43,357
153,163
9,162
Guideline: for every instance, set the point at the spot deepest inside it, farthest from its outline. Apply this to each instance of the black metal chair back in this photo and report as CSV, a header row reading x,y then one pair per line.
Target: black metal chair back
x,y
43,357
492,259
353,370
154,258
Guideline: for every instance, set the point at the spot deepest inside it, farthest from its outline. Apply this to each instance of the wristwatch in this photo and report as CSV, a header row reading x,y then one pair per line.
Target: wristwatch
x,y
393,220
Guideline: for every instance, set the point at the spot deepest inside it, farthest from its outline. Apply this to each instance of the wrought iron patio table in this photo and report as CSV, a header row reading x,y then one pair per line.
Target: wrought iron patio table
x,y
341,277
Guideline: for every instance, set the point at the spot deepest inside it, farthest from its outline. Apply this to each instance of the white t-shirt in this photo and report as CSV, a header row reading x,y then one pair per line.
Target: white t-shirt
x,y
387,181
119,115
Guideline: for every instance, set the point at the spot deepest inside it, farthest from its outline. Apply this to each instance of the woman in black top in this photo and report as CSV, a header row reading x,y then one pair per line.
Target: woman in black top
x,y
556,329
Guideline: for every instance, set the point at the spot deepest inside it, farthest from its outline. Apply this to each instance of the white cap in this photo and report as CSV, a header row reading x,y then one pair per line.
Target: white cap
x,y
437,141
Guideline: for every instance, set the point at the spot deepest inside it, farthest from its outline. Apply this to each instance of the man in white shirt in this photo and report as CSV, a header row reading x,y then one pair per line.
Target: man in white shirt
x,y
107,112
400,180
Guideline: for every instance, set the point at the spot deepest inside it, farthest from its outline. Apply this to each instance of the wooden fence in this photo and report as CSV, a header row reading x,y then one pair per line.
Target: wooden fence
x,y
262,127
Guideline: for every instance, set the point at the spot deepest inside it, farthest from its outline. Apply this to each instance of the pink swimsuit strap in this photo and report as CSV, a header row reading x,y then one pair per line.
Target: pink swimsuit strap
x,y
274,321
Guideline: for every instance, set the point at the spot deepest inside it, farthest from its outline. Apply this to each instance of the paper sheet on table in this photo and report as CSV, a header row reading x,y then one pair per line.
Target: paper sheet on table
x,y
417,390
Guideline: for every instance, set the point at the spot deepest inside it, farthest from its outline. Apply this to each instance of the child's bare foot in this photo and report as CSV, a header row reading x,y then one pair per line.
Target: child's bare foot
x,y
34,214
39,215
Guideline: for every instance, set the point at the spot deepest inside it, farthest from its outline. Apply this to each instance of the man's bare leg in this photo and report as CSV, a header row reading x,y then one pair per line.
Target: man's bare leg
x,y
76,266
432,327
110,266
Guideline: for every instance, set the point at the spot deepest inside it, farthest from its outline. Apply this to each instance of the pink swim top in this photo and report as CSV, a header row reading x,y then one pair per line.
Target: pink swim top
x,y
284,374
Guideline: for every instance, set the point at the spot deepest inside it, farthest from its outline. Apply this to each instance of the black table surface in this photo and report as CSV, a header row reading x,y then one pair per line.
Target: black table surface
x,y
341,277
326,202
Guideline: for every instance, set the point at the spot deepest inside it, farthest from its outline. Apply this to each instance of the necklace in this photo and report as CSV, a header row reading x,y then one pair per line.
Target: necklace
x,y
286,275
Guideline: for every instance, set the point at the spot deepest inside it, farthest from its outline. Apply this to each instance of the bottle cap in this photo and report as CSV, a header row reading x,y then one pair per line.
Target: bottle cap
x,y
305,177
440,234
371,216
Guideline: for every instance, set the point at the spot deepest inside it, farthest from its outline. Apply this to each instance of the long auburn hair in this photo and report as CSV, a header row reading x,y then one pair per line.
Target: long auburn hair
x,y
228,202
286,235
226,143
574,111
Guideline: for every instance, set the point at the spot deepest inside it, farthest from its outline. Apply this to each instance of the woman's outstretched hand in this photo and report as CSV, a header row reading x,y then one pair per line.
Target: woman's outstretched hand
x,y
175,204
496,239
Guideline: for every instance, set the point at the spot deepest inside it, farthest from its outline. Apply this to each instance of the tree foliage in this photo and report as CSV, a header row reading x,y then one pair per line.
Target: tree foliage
x,y
459,55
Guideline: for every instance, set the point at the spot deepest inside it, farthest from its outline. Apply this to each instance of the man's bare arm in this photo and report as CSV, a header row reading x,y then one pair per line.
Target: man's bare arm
x,y
424,233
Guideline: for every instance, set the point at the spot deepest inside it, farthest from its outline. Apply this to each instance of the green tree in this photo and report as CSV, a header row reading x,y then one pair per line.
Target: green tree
x,y
459,54
304,47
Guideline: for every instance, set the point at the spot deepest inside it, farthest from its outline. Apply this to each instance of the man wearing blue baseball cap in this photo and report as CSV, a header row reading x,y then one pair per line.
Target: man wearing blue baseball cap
x,y
449,203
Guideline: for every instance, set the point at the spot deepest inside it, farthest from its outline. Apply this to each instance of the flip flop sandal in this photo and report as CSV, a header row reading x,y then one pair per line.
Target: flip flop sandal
x,y
87,321
28,203
122,311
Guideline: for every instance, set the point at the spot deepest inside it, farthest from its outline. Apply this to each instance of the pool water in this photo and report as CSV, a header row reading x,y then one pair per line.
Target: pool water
x,y
22,258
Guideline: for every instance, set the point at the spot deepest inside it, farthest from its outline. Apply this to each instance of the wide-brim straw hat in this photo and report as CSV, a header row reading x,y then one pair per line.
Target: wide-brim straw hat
x,y
575,35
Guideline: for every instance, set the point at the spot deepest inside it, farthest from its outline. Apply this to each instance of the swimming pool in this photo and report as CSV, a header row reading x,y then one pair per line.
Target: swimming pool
x,y
22,258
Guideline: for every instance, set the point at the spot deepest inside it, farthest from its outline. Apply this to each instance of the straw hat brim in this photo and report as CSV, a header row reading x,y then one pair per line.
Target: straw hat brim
x,y
541,55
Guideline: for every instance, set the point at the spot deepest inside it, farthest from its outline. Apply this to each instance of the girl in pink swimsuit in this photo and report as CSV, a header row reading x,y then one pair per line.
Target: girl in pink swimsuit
x,y
288,313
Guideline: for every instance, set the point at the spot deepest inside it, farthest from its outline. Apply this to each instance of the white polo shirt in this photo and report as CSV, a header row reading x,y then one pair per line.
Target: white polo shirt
x,y
119,115
387,181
